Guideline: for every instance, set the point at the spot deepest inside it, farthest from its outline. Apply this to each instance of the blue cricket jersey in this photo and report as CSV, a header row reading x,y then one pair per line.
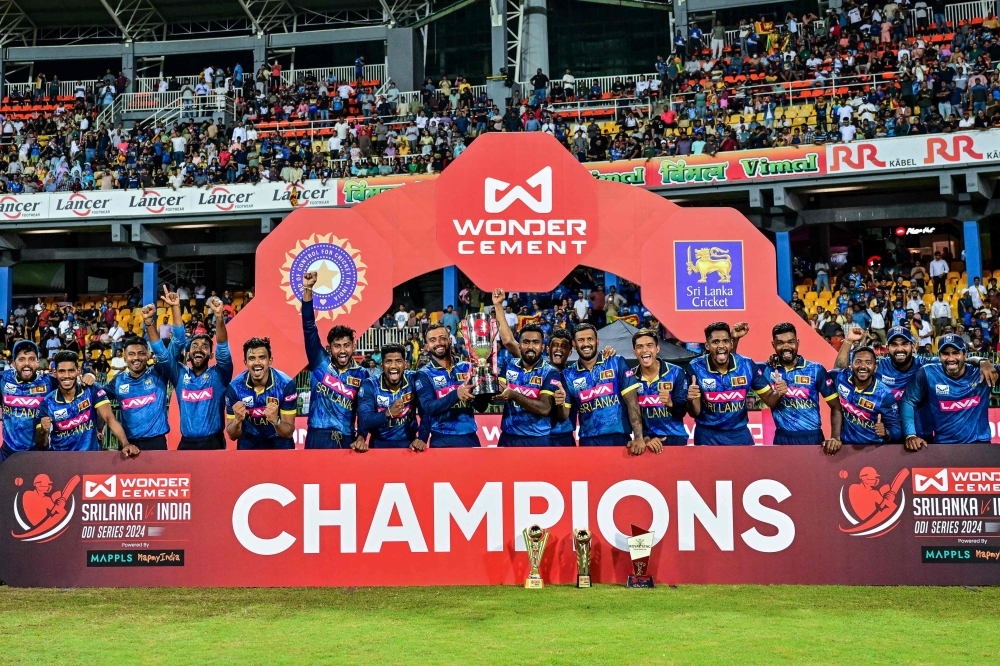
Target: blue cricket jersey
x,y
808,385
258,432
657,419
143,401
724,395
73,422
565,426
201,396
21,401
440,407
333,393
596,395
542,379
374,400
862,409
897,380
959,407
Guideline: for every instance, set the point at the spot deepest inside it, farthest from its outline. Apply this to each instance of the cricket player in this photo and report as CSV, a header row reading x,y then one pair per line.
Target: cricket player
x,y
200,387
261,402
717,392
598,386
23,392
387,405
662,392
957,395
871,411
67,416
800,386
444,392
334,380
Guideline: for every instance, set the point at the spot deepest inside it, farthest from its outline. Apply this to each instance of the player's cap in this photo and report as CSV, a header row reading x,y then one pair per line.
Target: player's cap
x,y
900,331
25,345
951,340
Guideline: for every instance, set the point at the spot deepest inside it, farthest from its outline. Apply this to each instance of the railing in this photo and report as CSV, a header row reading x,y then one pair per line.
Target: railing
x,y
374,338
149,84
346,73
585,83
966,11
66,88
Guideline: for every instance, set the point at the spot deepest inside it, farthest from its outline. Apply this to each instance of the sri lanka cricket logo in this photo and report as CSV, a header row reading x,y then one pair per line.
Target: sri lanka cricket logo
x,y
341,274
42,514
874,510
710,260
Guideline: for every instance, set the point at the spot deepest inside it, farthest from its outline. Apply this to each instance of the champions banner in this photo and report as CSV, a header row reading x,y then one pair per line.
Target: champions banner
x,y
875,515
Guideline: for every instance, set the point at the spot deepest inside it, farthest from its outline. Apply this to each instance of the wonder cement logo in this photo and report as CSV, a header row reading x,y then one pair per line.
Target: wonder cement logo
x,y
43,513
872,510
541,180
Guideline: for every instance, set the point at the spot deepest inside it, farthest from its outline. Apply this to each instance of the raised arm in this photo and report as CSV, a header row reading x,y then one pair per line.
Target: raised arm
x,y
854,334
314,348
104,409
149,322
913,397
506,335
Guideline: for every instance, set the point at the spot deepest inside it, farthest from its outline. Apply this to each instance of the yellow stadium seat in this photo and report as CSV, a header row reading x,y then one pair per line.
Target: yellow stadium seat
x,y
810,297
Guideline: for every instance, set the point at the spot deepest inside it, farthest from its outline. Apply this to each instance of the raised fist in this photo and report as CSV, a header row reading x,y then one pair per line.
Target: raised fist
x,y
309,279
149,314
240,411
498,297
215,305
46,424
271,412
396,408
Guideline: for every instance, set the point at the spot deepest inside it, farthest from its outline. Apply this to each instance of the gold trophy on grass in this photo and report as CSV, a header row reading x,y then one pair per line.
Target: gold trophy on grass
x,y
581,541
535,539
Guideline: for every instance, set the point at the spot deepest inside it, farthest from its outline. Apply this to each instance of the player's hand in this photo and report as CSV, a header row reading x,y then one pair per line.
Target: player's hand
x,y
149,314
130,451
239,411
608,352
780,385
61,502
396,408
418,445
559,395
170,297
879,427
637,446
854,334
694,391
215,305
88,379
831,446
271,413
46,424
989,372
740,329
309,279
505,396
359,444
498,298
654,444
914,443
665,398
465,390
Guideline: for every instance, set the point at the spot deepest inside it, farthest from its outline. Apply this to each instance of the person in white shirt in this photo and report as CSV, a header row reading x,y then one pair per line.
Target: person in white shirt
x,y
847,131
822,276
924,331
845,112
333,145
582,307
939,272
345,91
341,128
941,314
162,86
967,121
878,322
569,83
914,303
401,317
976,292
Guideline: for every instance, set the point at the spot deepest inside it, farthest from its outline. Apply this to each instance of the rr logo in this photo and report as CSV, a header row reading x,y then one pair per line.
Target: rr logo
x,y
960,144
866,153
541,180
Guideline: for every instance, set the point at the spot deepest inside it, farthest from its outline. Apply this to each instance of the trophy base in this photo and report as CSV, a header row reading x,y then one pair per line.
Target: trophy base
x,y
642,582
582,581
534,584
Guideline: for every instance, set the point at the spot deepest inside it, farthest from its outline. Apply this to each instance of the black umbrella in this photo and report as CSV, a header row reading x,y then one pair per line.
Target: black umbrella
x,y
619,335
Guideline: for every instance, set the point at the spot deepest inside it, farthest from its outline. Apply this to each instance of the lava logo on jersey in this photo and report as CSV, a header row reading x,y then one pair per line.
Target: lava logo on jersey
x,y
959,405
650,401
528,391
596,392
74,422
874,510
338,386
24,401
856,411
797,392
41,513
139,401
340,274
196,395
726,396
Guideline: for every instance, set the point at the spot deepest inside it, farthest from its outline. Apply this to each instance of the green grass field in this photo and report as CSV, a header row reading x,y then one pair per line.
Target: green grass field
x,y
470,625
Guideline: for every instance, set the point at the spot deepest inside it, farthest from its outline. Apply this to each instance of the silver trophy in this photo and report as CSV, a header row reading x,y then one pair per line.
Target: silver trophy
x,y
480,332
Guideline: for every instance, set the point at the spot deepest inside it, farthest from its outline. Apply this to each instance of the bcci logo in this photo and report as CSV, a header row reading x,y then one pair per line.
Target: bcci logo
x,y
340,274
874,510
41,513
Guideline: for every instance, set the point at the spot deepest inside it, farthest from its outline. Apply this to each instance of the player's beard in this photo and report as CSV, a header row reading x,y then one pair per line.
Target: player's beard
x,y
589,357
199,364
787,356
27,373
530,357
441,352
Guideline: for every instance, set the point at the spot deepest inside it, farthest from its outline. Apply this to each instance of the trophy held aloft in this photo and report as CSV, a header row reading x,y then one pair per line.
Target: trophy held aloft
x,y
480,331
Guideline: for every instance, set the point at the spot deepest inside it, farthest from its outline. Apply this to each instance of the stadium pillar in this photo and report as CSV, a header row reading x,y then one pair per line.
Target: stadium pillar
x,y
783,249
449,293
6,291
259,55
610,280
404,57
973,251
150,282
128,65
535,40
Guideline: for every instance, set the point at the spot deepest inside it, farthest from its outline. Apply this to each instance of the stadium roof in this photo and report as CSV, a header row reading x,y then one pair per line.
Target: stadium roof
x,y
58,21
